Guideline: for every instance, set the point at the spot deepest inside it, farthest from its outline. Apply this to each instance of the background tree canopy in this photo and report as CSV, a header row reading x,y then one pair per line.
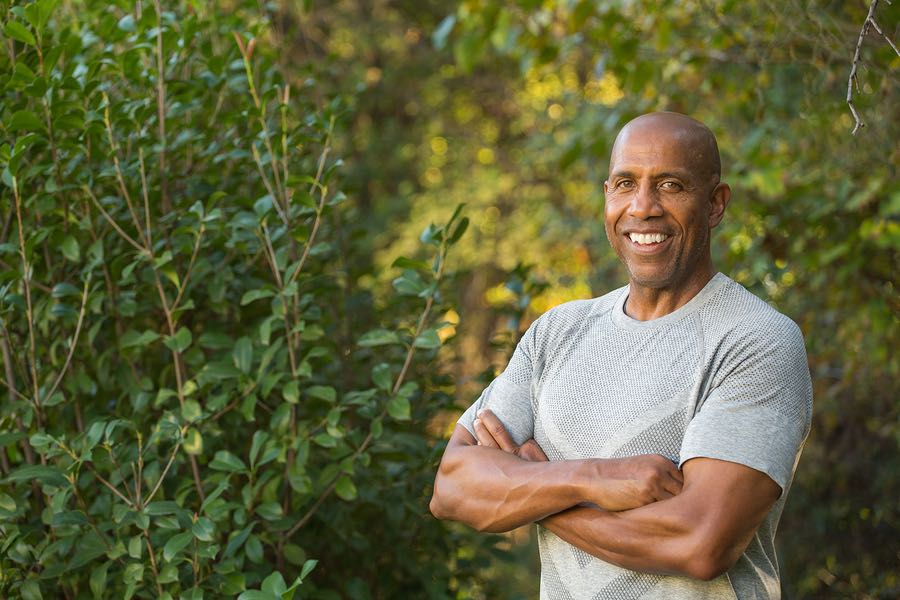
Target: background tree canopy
x,y
241,308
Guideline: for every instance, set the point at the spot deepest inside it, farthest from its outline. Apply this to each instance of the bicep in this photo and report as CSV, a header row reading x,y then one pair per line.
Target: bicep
x,y
729,501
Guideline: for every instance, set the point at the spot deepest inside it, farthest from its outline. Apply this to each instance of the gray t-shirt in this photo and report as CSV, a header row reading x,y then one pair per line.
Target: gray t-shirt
x,y
725,376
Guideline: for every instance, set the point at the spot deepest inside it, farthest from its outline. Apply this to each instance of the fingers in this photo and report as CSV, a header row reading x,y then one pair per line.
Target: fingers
x,y
483,435
496,431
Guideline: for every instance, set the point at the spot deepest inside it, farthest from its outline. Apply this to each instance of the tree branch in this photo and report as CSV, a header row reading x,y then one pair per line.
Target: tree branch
x,y
853,79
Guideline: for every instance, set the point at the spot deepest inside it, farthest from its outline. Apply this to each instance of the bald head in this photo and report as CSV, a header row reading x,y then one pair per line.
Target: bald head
x,y
695,141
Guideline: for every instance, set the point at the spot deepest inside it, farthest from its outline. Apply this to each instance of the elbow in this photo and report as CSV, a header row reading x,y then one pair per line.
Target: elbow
x,y
437,506
710,560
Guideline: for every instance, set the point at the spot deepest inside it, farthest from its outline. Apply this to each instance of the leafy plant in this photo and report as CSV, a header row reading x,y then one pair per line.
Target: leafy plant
x,y
201,400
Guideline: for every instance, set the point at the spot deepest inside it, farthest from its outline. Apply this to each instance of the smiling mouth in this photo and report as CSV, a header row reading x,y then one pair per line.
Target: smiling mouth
x,y
646,239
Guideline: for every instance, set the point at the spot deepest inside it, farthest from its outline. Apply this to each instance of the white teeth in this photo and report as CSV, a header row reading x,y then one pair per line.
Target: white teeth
x,y
647,238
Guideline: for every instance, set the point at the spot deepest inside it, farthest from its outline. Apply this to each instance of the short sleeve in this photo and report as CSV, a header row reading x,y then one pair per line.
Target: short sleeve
x,y
509,395
759,410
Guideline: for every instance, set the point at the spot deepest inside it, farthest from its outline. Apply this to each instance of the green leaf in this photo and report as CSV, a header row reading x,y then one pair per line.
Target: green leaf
x,y
381,376
226,461
274,584
409,284
291,392
61,290
69,248
30,590
345,488
254,549
203,529
459,231
168,574
126,23
322,392
308,566
237,540
176,544
180,341
252,295
243,354
406,263
43,473
20,33
259,438
398,407
24,119
378,337
7,504
193,441
428,339
270,511
135,547
133,339
98,580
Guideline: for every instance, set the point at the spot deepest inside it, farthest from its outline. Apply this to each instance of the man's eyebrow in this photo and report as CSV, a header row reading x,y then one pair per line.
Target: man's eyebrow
x,y
628,174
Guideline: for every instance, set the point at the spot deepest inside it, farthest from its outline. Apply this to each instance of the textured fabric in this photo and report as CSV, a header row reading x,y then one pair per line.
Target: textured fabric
x,y
725,376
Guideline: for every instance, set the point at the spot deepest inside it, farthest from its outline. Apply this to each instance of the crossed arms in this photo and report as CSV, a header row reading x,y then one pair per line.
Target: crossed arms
x,y
640,512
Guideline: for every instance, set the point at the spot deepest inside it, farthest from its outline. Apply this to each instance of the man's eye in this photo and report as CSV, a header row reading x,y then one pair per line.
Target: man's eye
x,y
671,186
625,183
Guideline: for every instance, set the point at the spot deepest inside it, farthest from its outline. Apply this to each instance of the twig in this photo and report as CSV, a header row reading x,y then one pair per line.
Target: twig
x,y
29,310
161,108
146,194
163,475
190,268
115,225
74,342
853,78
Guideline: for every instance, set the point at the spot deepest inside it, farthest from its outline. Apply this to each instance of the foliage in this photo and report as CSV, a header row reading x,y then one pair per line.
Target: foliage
x,y
201,399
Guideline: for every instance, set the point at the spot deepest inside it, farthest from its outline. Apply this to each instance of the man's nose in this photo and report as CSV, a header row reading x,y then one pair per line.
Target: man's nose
x,y
645,203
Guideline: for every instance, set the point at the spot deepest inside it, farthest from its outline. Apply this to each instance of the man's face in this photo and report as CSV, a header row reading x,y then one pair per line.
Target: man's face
x,y
661,202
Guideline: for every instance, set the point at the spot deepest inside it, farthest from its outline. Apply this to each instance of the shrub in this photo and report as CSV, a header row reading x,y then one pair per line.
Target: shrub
x,y
202,398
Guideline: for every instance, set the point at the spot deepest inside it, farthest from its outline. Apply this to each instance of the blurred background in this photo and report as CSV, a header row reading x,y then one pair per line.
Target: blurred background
x,y
510,108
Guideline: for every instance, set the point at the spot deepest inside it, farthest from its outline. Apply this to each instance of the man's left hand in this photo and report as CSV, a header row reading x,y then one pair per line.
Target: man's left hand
x,y
491,433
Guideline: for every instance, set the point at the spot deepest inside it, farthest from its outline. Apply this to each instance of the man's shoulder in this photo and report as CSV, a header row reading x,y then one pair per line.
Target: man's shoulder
x,y
736,312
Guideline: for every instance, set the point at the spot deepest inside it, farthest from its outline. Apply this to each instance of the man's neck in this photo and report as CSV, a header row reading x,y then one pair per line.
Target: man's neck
x,y
646,303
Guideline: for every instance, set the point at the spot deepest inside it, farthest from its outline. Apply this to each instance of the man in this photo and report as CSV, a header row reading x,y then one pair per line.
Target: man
x,y
672,410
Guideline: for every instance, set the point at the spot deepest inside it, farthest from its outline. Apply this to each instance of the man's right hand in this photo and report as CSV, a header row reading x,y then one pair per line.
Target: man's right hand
x,y
613,484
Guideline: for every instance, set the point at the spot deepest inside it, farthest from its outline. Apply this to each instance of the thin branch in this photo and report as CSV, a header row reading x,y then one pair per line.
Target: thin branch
x,y
120,177
115,225
161,107
886,38
853,79
74,342
163,475
146,195
29,310
190,267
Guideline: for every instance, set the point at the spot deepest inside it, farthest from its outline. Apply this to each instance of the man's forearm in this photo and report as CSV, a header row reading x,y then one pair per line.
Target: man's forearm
x,y
491,490
658,538
699,533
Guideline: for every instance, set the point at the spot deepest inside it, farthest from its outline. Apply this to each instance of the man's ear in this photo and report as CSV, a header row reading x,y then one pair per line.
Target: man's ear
x,y
721,195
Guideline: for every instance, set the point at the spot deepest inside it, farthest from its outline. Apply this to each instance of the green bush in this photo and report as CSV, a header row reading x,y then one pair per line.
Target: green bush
x,y
202,397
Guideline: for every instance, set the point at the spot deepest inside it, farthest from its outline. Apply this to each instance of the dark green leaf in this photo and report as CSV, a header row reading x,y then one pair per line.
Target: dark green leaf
x,y
20,33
